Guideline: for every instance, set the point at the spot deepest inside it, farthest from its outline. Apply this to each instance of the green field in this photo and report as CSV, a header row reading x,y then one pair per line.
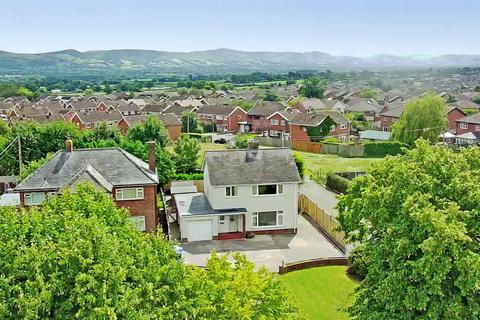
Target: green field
x,y
334,163
322,293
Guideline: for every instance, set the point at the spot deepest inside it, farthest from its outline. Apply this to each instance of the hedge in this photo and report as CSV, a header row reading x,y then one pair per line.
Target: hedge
x,y
337,183
381,149
187,176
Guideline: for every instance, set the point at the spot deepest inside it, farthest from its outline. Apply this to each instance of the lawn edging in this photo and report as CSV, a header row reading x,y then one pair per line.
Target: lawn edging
x,y
312,263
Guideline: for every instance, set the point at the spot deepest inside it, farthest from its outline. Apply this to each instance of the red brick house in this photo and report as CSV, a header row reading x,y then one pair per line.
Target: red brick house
x,y
91,119
225,118
131,182
279,122
171,122
468,124
257,117
340,128
454,114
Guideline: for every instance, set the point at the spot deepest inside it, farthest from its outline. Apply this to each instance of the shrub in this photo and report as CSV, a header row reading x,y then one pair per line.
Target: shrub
x,y
187,176
300,163
381,149
337,183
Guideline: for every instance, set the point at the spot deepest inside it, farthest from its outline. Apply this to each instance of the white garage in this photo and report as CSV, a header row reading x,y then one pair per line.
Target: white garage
x,y
199,230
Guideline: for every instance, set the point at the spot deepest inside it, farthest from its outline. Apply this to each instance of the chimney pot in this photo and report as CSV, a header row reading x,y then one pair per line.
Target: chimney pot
x,y
152,158
69,145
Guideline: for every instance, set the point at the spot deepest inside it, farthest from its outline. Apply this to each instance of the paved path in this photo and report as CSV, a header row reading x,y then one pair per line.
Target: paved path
x,y
268,250
324,198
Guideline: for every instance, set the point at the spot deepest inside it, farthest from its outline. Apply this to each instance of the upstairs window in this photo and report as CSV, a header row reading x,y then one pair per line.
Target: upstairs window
x,y
463,125
267,189
274,122
343,126
129,194
332,128
231,191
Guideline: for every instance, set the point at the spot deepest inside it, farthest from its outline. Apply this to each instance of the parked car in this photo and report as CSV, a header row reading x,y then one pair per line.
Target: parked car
x,y
220,141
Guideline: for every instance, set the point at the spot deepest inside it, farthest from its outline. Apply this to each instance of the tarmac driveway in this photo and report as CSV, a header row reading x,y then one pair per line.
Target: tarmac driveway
x,y
268,250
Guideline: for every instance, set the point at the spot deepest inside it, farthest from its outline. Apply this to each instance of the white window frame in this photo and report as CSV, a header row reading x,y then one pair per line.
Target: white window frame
x,y
88,125
333,127
463,125
138,222
139,192
28,198
279,190
282,122
280,220
274,122
343,126
304,128
233,190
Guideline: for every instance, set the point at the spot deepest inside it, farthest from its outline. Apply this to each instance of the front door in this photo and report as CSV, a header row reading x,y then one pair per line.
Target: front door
x,y
228,224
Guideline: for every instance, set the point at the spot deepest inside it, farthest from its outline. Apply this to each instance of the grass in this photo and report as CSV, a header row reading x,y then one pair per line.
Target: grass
x,y
321,293
333,163
203,147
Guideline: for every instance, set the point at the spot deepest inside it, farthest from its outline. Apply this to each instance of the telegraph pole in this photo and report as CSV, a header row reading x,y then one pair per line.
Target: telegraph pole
x,y
20,162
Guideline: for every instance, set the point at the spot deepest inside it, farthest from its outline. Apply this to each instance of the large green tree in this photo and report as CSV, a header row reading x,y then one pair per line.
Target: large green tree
x,y
151,129
313,88
189,122
79,257
415,220
422,118
186,154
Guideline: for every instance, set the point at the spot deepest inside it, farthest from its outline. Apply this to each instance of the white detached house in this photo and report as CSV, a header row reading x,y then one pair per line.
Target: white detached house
x,y
246,191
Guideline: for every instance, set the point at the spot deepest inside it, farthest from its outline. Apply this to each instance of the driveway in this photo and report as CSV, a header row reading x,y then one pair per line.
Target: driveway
x,y
268,250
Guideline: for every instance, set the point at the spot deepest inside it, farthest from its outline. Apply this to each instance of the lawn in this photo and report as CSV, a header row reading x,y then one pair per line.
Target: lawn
x,y
321,293
203,147
333,163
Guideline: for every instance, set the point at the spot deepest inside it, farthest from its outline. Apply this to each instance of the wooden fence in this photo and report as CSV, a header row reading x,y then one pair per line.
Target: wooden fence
x,y
326,222
306,146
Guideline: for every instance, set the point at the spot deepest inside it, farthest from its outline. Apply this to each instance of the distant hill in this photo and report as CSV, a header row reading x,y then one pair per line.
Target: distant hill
x,y
136,62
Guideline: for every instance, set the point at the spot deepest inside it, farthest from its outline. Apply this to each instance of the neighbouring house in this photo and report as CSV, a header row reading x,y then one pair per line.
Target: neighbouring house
x,y
224,118
131,181
390,114
303,123
125,108
91,119
365,106
468,138
468,124
171,122
257,117
253,191
454,114
279,122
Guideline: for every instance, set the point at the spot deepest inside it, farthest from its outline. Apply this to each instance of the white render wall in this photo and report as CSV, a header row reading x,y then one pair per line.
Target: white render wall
x,y
286,202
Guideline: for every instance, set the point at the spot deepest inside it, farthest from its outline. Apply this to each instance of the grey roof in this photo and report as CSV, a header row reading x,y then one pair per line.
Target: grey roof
x,y
107,166
375,135
230,167
315,119
216,110
198,204
474,118
265,108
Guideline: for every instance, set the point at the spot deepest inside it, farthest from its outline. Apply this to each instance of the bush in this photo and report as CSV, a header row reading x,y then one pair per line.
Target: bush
x,y
300,163
242,141
187,176
337,183
381,149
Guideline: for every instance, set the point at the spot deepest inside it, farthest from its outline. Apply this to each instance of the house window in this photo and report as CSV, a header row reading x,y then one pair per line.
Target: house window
x,y
332,128
463,125
88,125
477,127
222,219
304,128
267,189
385,129
129,194
231,191
343,126
267,219
282,122
138,222
34,198
274,122
219,117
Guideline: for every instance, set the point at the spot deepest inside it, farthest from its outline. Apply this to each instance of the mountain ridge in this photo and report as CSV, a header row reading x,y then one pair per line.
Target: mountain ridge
x,y
221,60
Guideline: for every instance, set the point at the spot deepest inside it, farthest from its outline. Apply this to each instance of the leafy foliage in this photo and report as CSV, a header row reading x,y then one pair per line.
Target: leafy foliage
x,y
337,183
189,122
313,88
383,148
300,163
78,256
423,118
186,154
320,131
152,129
368,93
416,217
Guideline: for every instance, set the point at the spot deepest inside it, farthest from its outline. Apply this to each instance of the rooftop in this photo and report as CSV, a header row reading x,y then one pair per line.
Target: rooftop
x,y
189,204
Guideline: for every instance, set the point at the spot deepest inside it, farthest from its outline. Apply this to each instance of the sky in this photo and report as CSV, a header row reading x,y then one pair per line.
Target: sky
x,y
341,27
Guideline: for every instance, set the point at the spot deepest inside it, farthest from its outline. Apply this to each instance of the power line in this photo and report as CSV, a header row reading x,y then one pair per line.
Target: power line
x,y
7,147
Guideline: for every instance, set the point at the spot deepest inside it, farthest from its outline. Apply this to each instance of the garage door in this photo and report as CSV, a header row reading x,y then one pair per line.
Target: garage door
x,y
200,230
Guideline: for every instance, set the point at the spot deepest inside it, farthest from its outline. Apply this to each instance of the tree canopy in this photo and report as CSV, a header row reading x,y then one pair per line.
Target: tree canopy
x,y
416,221
189,122
186,154
313,88
152,129
78,256
422,118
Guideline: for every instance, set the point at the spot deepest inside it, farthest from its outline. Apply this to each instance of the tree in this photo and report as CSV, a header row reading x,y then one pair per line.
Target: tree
x,y
271,96
477,89
368,93
415,218
451,98
189,122
186,154
152,129
300,163
422,118
107,88
78,256
313,88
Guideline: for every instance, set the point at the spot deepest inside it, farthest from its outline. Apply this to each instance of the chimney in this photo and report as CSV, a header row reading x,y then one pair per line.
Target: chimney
x,y
252,151
152,158
69,145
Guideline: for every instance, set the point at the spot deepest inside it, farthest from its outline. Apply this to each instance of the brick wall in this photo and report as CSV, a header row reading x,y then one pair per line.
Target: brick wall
x,y
146,207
